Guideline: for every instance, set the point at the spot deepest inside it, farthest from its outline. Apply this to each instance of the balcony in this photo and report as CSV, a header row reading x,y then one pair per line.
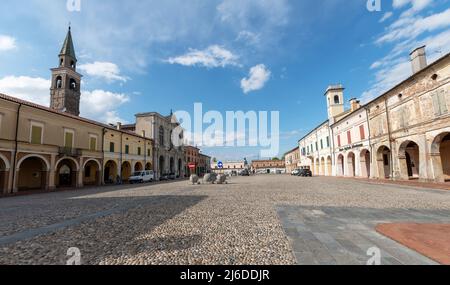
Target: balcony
x,y
68,151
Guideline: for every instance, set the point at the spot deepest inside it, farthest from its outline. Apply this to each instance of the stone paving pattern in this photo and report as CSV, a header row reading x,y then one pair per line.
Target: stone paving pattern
x,y
238,223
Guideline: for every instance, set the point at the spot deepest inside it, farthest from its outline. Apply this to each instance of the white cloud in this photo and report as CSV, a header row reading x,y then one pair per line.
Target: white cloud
x,y
7,43
106,70
417,5
213,56
102,105
386,16
33,89
413,26
97,105
258,77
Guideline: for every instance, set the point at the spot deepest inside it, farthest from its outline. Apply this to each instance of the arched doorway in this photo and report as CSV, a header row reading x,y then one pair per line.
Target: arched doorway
x,y
365,163
32,174
161,166
351,164
126,171
329,166
322,166
384,162
148,166
138,166
340,165
172,165
66,173
110,175
440,157
4,173
91,173
409,160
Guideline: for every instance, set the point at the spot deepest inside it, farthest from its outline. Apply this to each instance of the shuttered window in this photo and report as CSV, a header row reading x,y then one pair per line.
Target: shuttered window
x,y
111,147
439,102
127,149
362,132
36,135
68,139
139,151
349,137
339,140
93,144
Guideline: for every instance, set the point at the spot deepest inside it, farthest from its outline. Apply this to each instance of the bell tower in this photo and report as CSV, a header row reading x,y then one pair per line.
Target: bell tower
x,y
65,90
335,101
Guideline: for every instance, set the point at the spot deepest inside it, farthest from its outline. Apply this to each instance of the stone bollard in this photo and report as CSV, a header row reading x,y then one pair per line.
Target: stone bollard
x,y
194,179
210,178
221,179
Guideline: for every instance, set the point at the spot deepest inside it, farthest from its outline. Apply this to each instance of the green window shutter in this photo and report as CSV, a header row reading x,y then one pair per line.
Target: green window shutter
x,y
442,101
111,147
435,99
139,151
127,149
69,140
93,144
36,135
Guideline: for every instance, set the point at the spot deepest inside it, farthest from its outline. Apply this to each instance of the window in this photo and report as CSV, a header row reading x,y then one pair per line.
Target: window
x,y
36,133
58,83
439,102
362,132
339,140
139,150
92,143
68,138
349,137
317,146
321,144
127,149
337,100
161,136
308,149
328,142
111,147
73,84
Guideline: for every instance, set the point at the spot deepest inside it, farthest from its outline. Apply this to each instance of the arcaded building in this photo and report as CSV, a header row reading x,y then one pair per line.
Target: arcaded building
x,y
45,148
410,124
403,134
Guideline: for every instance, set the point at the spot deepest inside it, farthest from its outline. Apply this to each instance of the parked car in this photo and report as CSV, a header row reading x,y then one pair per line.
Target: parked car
x,y
172,176
142,177
244,172
295,172
305,173
164,177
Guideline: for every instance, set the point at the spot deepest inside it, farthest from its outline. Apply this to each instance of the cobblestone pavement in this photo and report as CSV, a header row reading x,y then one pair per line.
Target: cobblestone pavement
x,y
252,220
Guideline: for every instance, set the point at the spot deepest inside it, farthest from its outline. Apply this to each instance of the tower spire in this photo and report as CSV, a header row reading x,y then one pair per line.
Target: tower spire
x,y
68,48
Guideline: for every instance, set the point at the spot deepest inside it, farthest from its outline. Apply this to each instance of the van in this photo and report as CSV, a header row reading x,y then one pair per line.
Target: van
x,y
142,177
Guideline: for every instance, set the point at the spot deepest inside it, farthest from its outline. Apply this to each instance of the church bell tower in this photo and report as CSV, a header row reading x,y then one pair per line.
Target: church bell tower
x,y
65,91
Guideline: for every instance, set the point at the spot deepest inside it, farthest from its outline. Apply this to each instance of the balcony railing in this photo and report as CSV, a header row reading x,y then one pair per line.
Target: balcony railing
x,y
68,151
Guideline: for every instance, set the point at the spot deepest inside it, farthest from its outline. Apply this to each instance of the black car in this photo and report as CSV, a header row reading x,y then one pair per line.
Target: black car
x,y
245,172
305,173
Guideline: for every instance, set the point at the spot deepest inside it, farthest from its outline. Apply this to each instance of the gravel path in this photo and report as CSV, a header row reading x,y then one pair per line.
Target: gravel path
x,y
177,223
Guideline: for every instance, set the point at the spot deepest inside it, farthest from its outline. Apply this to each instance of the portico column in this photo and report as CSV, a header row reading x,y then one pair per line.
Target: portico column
x,y
51,172
402,168
436,164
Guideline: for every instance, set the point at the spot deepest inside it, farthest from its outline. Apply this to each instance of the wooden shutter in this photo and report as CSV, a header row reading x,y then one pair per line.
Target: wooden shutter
x,y
36,135
435,99
442,101
93,144
362,132
69,140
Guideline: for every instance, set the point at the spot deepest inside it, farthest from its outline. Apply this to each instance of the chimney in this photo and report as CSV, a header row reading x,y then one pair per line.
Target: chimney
x,y
418,59
354,104
119,126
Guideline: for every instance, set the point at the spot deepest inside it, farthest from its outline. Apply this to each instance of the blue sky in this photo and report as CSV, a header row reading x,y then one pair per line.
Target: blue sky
x,y
230,55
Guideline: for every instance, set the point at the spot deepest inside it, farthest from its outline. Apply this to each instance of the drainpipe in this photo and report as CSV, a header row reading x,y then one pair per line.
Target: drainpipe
x,y
390,137
16,146
103,156
369,134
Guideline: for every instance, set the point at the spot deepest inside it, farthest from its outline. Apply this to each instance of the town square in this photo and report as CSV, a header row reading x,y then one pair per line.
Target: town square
x,y
225,133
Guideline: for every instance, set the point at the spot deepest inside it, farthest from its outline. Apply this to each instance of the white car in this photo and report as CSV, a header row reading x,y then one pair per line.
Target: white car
x,y
295,172
142,177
